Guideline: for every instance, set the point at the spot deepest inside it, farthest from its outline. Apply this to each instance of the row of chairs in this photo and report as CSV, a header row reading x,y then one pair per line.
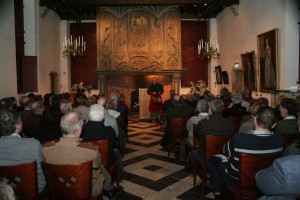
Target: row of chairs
x,y
249,164
64,181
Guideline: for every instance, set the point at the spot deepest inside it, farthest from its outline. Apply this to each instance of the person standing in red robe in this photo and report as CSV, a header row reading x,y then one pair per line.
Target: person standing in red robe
x,y
155,105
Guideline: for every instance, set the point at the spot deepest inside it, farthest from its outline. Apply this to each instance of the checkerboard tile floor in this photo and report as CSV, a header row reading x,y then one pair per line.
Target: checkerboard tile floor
x,y
148,174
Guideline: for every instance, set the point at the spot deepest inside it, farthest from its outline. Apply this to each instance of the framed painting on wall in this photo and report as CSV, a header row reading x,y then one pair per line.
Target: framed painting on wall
x,y
218,74
249,70
267,46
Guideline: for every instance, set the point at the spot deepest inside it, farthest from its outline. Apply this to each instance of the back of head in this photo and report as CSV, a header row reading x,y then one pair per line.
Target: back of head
x,y
27,102
70,123
81,100
65,106
8,121
102,101
176,100
292,149
216,105
96,113
255,107
247,94
237,98
223,91
172,93
37,107
202,106
291,105
265,117
6,103
264,101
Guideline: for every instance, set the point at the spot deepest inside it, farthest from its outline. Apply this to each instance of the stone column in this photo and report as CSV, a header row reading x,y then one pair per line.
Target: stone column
x,y
176,82
102,84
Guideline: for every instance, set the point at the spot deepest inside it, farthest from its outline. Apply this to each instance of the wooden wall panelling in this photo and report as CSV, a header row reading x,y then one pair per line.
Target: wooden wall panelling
x,y
82,67
29,74
196,69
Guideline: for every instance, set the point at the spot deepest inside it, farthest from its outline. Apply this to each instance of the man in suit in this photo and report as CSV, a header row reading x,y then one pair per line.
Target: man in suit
x,y
95,130
282,179
32,124
215,124
70,151
15,150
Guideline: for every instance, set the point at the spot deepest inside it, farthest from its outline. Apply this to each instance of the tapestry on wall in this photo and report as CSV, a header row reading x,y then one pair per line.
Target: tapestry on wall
x,y
146,38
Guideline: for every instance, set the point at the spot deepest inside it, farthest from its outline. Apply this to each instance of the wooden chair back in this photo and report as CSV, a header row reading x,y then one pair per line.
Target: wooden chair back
x,y
22,178
289,138
177,128
196,138
214,144
236,122
69,181
177,132
103,148
249,165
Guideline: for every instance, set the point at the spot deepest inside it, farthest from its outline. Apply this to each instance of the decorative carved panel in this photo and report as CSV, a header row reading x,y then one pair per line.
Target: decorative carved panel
x,y
138,38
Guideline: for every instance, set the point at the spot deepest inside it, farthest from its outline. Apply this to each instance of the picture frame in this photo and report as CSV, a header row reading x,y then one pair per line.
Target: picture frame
x,y
249,70
225,77
267,47
218,74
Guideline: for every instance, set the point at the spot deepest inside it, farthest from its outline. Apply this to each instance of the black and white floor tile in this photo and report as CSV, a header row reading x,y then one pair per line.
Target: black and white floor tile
x,y
148,174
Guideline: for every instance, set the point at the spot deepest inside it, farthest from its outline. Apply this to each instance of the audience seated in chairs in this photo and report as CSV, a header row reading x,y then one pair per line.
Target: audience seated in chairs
x,y
95,130
282,179
289,109
215,124
69,151
114,119
15,150
202,108
179,110
260,142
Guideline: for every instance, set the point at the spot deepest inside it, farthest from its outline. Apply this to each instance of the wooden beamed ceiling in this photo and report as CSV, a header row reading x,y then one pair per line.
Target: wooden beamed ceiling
x,y
77,10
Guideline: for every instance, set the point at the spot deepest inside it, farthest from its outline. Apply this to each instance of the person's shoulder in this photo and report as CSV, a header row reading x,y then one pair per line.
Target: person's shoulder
x,y
31,141
87,145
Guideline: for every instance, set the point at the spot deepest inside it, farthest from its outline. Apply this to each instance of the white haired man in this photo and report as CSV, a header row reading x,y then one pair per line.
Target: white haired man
x,y
70,151
95,130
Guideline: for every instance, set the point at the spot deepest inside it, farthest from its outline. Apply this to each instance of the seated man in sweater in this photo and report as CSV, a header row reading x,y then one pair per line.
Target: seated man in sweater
x,y
70,151
260,142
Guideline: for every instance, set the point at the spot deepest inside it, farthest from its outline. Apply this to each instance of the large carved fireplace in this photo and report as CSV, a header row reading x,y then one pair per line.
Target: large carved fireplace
x,y
138,42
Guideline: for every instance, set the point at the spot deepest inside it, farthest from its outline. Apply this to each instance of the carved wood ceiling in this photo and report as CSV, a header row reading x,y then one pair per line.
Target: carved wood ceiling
x,y
77,10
